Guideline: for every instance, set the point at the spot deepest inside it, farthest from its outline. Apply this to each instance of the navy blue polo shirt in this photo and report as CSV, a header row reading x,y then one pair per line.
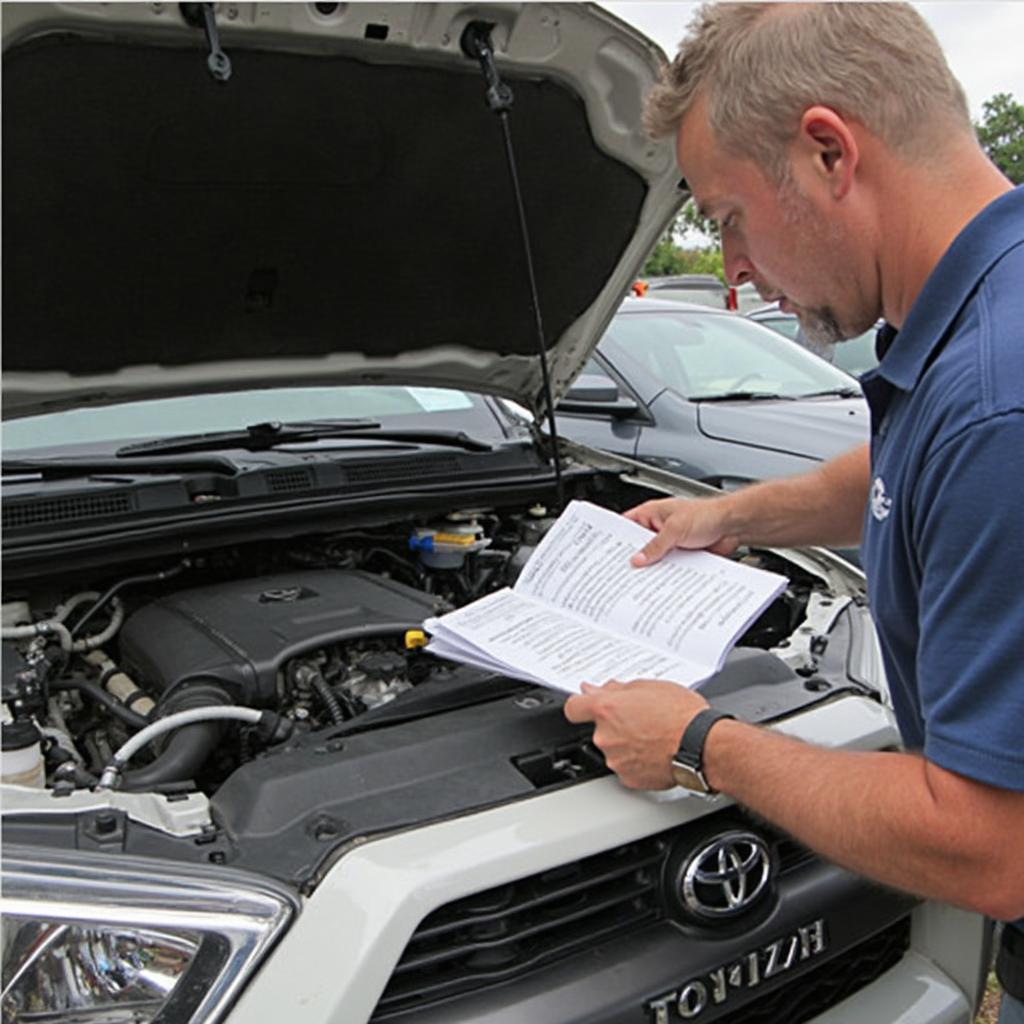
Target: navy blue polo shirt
x,y
943,543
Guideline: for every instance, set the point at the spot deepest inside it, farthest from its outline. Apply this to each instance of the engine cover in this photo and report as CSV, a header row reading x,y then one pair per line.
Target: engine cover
x,y
242,632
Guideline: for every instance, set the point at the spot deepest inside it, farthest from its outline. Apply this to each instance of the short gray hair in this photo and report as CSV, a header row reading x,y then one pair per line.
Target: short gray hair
x,y
761,65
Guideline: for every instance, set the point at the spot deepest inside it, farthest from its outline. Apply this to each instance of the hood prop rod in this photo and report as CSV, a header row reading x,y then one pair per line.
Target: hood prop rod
x,y
476,44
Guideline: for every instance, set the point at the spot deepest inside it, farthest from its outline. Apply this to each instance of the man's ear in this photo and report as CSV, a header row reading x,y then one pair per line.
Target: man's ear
x,y
826,137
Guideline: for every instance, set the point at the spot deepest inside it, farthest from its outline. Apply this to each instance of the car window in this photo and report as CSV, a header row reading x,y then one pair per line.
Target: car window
x,y
747,298
592,368
857,355
716,354
198,414
787,325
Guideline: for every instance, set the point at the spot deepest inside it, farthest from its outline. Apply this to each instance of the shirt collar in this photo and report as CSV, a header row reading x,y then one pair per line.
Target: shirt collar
x,y
998,228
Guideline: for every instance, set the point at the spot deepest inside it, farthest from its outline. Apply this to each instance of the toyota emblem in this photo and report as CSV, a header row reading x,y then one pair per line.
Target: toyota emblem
x,y
726,876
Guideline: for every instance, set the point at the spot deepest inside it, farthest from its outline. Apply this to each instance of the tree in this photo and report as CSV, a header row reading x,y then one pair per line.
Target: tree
x,y
665,258
1001,134
691,219
669,257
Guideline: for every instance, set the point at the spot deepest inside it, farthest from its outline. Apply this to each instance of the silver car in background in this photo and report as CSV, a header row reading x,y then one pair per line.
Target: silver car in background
x,y
712,396
855,355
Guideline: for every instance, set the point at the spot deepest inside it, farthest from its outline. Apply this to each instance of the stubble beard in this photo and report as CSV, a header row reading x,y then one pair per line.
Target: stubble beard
x,y
820,325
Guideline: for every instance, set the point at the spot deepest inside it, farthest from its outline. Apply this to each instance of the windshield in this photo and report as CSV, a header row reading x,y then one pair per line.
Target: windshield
x,y
787,325
713,355
428,408
857,355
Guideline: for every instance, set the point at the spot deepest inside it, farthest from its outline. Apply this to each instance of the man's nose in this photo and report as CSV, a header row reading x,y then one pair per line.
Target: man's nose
x,y
738,269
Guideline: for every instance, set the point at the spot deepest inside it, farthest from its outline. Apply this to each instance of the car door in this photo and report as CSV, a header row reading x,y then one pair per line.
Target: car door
x,y
669,437
602,411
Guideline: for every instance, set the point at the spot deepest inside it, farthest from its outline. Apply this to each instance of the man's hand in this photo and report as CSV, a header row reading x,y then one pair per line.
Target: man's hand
x,y
637,726
683,523
825,506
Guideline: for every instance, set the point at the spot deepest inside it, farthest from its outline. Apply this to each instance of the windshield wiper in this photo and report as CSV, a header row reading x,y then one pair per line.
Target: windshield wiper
x,y
742,396
261,437
843,392
255,438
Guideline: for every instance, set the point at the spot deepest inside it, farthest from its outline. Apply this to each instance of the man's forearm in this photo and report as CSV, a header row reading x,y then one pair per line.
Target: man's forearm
x,y
890,816
825,506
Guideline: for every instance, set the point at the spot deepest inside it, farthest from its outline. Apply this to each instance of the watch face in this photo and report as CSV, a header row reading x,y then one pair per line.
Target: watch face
x,y
689,778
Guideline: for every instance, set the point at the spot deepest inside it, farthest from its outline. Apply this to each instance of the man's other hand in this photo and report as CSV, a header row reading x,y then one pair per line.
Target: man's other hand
x,y
682,523
637,726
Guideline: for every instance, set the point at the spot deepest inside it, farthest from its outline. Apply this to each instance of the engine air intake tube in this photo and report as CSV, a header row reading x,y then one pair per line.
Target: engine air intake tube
x,y
195,714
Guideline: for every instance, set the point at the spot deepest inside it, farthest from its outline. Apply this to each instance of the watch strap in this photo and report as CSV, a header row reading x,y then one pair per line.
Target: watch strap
x,y
691,746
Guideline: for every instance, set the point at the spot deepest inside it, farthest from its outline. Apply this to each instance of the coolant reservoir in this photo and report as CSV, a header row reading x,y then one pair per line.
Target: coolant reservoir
x,y
15,613
21,763
446,547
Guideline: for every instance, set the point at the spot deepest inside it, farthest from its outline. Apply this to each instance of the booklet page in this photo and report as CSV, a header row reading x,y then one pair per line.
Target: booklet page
x,y
691,604
509,633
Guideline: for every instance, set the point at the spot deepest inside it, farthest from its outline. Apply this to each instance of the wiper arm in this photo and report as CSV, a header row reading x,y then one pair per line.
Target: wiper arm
x,y
742,396
263,437
846,392
258,437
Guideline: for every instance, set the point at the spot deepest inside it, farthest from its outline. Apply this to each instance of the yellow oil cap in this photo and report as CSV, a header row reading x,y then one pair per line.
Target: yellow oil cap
x,y
415,638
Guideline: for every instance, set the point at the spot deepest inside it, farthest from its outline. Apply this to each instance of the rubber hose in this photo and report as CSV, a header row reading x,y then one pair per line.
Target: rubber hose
x,y
151,577
184,755
189,746
323,691
95,692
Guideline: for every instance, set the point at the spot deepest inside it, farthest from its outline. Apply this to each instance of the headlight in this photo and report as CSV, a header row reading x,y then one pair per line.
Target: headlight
x,y
86,941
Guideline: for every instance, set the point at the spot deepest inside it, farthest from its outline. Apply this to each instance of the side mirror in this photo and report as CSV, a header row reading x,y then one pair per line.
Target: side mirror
x,y
592,395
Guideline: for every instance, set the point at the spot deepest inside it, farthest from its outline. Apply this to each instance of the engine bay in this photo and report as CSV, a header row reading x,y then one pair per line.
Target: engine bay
x,y
310,636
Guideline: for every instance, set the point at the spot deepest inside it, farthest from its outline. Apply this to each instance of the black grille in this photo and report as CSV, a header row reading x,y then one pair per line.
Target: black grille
x,y
813,993
509,931
790,854
283,480
60,510
400,468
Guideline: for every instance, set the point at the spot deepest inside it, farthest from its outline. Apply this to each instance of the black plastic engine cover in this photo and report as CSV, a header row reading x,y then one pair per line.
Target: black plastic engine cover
x,y
242,632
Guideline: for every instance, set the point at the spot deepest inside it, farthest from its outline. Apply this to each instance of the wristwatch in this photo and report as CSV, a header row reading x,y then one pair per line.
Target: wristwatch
x,y
688,762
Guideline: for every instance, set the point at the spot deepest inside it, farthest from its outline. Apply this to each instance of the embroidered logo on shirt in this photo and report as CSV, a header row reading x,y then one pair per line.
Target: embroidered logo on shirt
x,y
881,503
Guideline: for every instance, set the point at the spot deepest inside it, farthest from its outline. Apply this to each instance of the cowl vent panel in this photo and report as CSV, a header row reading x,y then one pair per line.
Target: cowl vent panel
x,y
414,467
17,515
285,480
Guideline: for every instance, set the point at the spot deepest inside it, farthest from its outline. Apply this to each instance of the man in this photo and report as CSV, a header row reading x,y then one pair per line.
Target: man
x,y
834,148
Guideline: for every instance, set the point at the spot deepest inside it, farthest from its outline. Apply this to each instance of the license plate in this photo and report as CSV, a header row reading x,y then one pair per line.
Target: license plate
x,y
749,971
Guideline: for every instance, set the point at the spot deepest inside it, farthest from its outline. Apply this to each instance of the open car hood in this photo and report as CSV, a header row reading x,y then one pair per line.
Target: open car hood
x,y
340,210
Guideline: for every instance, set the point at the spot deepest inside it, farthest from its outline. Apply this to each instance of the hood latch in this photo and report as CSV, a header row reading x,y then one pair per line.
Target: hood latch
x,y
202,16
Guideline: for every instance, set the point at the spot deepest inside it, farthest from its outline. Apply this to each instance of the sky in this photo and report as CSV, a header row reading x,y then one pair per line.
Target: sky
x,y
983,40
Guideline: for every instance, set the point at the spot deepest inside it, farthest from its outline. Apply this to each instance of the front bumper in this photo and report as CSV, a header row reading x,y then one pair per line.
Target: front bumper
x,y
337,958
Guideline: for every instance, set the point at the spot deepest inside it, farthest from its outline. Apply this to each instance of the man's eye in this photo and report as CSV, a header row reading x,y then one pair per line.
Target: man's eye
x,y
728,221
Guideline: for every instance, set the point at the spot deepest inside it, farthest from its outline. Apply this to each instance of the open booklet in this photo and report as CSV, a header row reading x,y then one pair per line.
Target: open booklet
x,y
580,612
